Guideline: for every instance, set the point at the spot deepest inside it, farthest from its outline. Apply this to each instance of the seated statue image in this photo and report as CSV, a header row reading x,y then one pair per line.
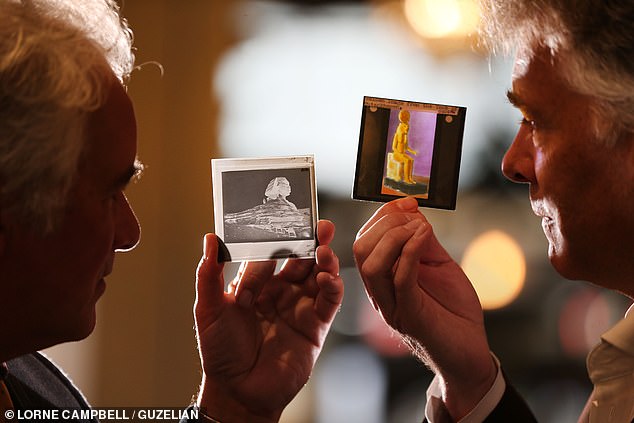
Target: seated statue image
x,y
400,165
399,174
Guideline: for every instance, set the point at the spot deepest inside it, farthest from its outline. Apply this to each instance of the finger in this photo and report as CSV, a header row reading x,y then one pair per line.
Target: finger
x,y
407,204
330,284
377,270
254,277
430,250
330,296
407,269
233,285
327,260
325,232
367,241
296,270
209,277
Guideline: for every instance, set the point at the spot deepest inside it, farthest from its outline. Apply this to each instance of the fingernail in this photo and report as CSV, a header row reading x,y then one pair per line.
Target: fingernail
x,y
407,203
245,298
205,248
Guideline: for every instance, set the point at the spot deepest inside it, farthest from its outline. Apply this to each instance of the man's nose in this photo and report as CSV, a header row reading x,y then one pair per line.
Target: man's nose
x,y
128,231
518,162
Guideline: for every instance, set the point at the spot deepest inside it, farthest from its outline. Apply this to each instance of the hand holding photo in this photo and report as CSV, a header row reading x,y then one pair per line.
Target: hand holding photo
x,y
265,208
409,149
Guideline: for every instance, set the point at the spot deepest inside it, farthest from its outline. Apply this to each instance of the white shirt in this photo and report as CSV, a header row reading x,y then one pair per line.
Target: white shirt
x,y
611,369
435,410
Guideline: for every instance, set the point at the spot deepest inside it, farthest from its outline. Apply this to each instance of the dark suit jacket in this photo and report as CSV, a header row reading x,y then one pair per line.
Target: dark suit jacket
x,y
37,384
511,408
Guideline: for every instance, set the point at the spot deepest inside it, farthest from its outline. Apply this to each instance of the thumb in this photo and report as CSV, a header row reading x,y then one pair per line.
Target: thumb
x,y
209,277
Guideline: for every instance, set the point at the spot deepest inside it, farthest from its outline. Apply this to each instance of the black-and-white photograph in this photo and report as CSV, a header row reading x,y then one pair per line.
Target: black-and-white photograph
x,y
265,208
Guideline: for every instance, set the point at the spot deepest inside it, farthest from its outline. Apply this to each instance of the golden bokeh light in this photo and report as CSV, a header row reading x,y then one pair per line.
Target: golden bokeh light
x,y
442,18
496,266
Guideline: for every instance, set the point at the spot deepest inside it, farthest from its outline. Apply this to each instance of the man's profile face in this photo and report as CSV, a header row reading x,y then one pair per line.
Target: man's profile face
x,y
576,181
54,281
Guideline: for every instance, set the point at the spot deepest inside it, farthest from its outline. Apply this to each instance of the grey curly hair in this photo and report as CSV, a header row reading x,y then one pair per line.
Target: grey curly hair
x,y
55,58
594,39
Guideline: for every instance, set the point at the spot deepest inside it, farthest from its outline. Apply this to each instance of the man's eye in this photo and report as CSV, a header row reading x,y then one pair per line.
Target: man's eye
x,y
527,122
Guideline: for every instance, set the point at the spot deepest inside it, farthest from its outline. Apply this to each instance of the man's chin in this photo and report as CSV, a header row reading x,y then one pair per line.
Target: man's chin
x,y
82,329
561,263
53,341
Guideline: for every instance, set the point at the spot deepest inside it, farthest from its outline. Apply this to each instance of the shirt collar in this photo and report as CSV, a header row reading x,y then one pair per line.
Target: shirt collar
x,y
621,335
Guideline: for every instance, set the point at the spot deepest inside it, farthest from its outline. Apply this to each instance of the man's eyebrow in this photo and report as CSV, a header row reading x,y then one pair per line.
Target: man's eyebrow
x,y
514,99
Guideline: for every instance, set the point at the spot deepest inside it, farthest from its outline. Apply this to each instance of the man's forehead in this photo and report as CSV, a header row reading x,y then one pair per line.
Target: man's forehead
x,y
525,57
520,67
117,105
540,65
112,136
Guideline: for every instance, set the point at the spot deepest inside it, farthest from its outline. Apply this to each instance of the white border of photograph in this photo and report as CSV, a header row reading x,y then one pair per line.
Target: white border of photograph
x,y
238,190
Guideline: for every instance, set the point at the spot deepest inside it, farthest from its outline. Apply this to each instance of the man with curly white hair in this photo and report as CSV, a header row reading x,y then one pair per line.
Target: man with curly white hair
x,y
67,152
573,81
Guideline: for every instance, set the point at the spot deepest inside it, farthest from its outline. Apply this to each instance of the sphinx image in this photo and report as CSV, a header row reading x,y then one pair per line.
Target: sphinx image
x,y
275,219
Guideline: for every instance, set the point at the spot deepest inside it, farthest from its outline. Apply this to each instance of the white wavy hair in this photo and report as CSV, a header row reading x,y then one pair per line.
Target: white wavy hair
x,y
55,59
593,38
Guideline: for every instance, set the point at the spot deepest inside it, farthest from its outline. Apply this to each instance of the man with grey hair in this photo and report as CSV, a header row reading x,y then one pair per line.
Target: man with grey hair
x,y
67,152
573,82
